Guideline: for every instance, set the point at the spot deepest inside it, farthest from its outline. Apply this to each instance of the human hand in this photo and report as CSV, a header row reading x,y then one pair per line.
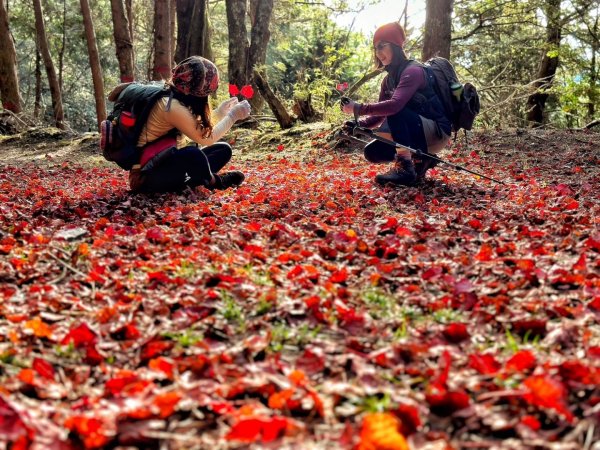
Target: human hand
x,y
226,106
349,126
348,106
240,111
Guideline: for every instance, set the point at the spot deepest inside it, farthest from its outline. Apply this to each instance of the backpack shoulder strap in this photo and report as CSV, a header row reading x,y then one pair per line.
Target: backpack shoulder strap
x,y
394,78
141,99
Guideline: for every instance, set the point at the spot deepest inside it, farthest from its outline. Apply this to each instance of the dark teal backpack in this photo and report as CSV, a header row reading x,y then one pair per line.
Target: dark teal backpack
x,y
120,132
461,101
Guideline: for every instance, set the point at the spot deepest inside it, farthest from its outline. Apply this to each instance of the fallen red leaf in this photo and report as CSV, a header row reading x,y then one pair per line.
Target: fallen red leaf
x,y
546,392
233,90
80,336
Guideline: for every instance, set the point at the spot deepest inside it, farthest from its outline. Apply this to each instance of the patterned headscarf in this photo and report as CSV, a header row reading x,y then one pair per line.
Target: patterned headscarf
x,y
195,76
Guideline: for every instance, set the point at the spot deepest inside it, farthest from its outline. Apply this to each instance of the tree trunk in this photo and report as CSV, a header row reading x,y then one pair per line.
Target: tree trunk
x,y
259,39
238,42
259,33
50,71
63,46
185,9
90,36
172,28
37,104
9,82
129,11
193,40
162,40
305,111
281,114
438,29
123,40
545,76
593,82
592,94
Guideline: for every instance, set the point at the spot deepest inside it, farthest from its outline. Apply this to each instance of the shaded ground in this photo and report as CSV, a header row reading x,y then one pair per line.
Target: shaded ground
x,y
288,312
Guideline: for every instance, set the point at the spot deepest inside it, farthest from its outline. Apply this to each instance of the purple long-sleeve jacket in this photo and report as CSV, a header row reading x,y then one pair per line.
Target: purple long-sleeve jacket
x,y
411,80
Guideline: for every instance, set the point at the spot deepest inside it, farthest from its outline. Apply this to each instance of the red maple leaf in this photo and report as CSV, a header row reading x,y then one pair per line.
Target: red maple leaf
x,y
259,429
485,364
91,430
43,368
247,91
456,332
485,253
80,336
521,361
531,422
546,392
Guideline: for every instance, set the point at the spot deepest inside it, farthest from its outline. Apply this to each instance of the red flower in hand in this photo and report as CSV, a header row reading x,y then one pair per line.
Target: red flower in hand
x,y
233,89
247,91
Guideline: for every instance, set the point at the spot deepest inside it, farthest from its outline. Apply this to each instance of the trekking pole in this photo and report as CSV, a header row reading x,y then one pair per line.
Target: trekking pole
x,y
365,132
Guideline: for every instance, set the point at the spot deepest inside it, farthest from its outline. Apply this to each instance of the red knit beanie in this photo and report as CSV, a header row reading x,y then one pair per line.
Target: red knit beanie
x,y
390,32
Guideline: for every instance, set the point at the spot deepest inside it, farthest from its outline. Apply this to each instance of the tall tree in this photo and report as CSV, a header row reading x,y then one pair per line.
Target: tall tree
x,y
238,42
63,46
260,18
245,56
588,33
37,103
162,40
595,48
123,40
193,29
9,83
42,42
90,36
172,27
438,29
549,62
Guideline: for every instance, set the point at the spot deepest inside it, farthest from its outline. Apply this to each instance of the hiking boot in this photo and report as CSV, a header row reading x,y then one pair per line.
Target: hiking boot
x,y
402,173
228,179
422,166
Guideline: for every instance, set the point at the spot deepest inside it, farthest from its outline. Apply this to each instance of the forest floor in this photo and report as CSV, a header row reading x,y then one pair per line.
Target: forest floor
x,y
308,308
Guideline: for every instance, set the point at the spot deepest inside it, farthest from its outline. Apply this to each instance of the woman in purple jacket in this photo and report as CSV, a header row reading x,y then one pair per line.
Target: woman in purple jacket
x,y
408,111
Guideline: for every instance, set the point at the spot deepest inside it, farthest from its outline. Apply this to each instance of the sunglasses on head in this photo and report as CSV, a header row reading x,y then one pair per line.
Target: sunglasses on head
x,y
380,46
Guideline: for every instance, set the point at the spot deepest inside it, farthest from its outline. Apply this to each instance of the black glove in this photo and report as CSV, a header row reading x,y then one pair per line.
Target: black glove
x,y
349,126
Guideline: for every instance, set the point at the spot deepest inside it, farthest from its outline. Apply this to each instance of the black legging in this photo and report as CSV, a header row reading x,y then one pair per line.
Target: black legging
x,y
407,129
188,166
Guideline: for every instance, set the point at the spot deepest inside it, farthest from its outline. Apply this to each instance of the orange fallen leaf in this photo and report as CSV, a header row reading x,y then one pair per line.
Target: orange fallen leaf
x,y
380,432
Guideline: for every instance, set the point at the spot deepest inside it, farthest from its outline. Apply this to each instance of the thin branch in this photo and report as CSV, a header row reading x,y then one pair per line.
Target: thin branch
x,y
67,265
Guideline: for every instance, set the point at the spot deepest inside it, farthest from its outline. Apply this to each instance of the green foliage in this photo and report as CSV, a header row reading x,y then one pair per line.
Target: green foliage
x,y
312,54
186,338
496,45
376,403
283,334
